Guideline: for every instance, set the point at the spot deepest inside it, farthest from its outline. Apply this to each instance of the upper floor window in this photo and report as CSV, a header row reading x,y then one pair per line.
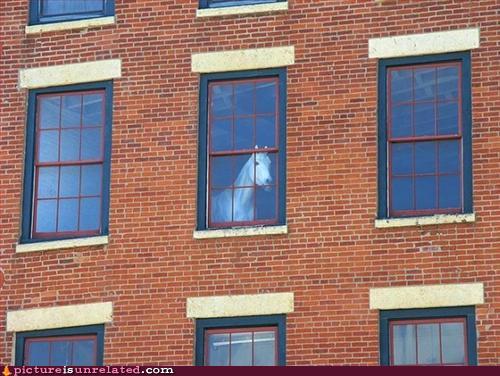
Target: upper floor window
x,y
242,154
425,136
48,11
230,3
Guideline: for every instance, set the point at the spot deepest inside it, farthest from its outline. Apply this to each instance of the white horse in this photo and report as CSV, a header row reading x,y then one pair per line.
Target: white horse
x,y
222,203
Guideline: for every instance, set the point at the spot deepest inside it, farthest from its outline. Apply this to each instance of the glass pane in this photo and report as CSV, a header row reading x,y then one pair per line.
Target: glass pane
x,y
222,100
221,205
218,350
447,118
425,187
265,202
425,84
447,83
91,180
241,349
449,192
424,119
453,343
243,204
221,173
265,97
49,146
449,156
68,215
90,214
70,181
38,354
401,121
59,7
71,111
404,346
70,145
244,99
60,354
265,168
46,214
264,348
92,110
244,138
428,344
49,112
48,179
402,194
222,134
266,131
91,144
401,85
244,170
402,159
84,353
425,157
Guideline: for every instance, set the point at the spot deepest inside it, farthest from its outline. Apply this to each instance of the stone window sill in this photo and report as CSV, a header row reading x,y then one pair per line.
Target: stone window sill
x,y
62,244
438,219
70,25
245,9
236,232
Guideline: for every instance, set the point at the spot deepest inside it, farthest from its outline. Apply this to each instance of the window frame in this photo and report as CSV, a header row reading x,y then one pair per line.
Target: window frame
x,y
28,213
240,323
22,339
431,314
384,194
203,145
205,4
36,19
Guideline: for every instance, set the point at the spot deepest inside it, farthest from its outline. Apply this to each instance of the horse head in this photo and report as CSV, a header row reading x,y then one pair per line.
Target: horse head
x,y
263,169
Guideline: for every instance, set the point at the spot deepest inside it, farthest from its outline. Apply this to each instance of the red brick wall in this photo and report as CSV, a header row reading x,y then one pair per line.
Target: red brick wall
x,y
332,255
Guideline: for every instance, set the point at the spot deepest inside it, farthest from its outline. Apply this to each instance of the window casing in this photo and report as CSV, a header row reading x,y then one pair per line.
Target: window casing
x,y
238,341
425,158
79,346
231,3
66,186
49,11
438,336
242,149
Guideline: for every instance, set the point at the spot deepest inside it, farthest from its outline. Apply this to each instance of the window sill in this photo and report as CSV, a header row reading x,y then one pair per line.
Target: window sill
x,y
437,219
245,9
61,244
235,232
70,25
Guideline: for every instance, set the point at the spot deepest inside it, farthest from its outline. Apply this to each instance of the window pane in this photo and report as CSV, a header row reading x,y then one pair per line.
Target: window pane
x,y
243,207
425,190
58,7
266,131
453,343
401,85
38,354
71,111
265,97
46,216
49,112
48,179
218,349
92,110
84,353
449,192
264,349
70,145
221,205
402,194
404,349
428,344
447,118
265,168
70,181
222,134
68,215
60,354
49,146
425,157
447,83
425,83
244,99
90,213
401,121
91,144
222,100
424,119
244,133
241,349
91,180
221,172
449,156
265,202
244,170
402,159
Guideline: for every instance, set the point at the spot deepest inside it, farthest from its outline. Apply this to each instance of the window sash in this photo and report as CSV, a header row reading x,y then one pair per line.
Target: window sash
x,y
37,16
50,340
229,3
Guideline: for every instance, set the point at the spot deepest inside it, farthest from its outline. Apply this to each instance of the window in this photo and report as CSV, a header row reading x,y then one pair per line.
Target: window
x,y
440,336
241,341
66,190
425,136
48,11
229,3
242,149
81,346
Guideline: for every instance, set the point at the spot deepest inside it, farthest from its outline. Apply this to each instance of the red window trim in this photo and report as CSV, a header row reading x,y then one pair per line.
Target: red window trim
x,y
461,320
252,330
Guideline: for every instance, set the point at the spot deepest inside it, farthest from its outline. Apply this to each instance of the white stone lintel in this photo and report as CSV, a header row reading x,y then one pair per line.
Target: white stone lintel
x,y
244,231
438,219
62,244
